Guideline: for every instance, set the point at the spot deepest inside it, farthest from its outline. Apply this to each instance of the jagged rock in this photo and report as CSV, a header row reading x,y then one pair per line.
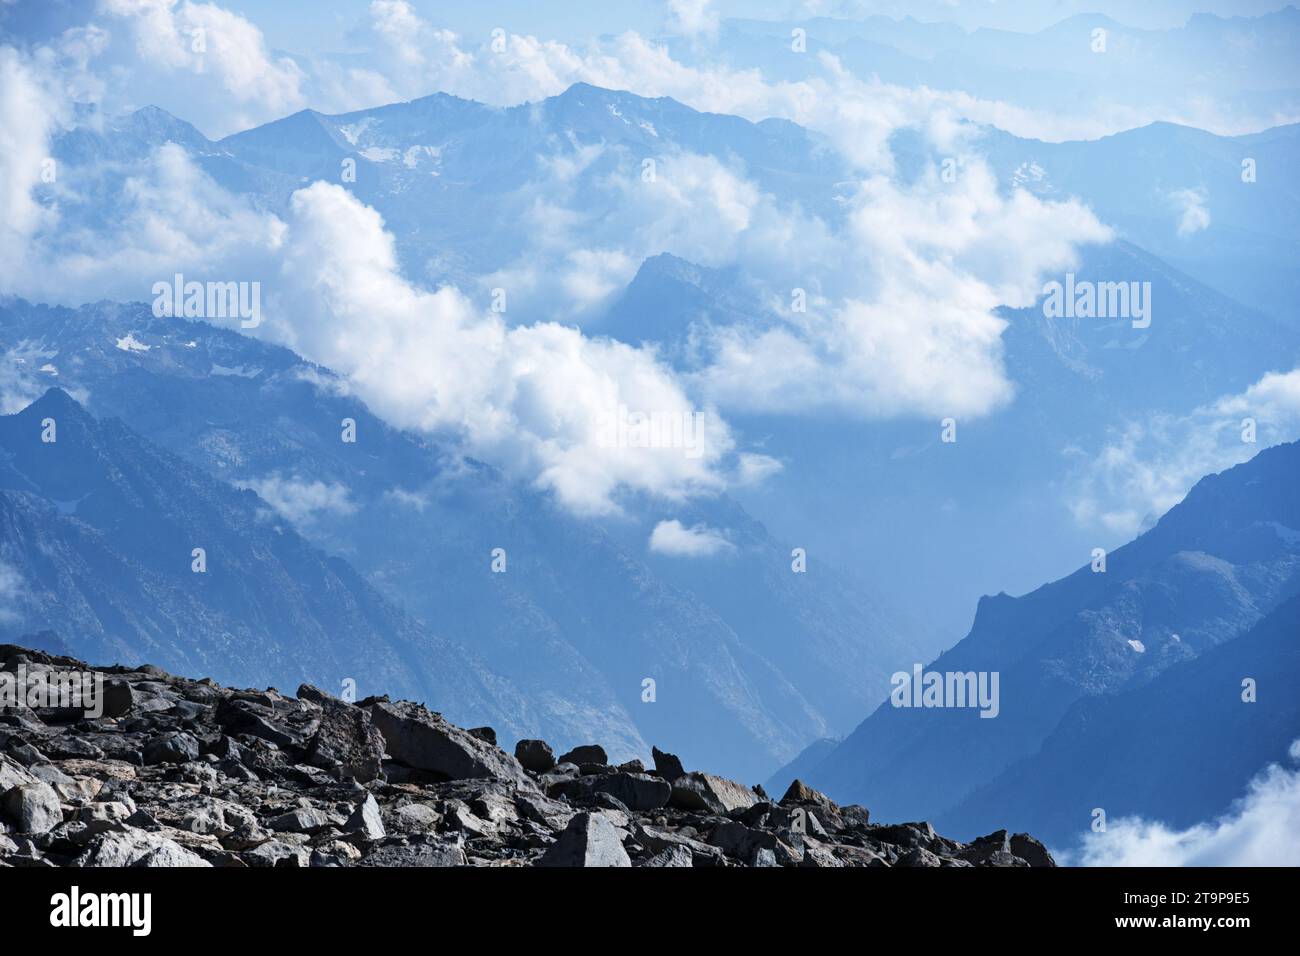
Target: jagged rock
x,y
25,753
982,849
905,834
703,791
274,853
249,717
486,734
178,747
301,820
586,754
138,848
426,741
666,765
33,807
13,774
657,839
347,742
535,755
551,814
820,857
367,820
196,774
672,856
1030,850
919,856
633,791
800,793
427,851
415,818
588,840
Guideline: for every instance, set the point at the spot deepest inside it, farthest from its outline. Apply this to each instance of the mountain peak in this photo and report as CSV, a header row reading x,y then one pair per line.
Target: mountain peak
x,y
55,403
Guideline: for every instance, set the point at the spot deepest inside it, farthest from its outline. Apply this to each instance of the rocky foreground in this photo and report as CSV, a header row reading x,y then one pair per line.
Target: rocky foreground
x,y
181,772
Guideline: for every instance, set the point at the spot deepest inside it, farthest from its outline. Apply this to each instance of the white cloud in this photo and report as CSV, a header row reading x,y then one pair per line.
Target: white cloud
x,y
901,296
207,39
1193,217
901,306
753,468
22,376
1261,829
692,18
529,397
858,114
299,501
673,539
1148,467
168,217
31,107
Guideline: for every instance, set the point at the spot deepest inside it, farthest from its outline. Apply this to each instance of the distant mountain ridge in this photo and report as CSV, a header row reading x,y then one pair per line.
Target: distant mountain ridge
x,y
583,615
98,535
1186,592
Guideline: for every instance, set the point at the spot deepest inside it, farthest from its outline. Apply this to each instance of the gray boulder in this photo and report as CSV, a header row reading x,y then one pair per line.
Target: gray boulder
x,y
418,738
33,808
586,754
535,755
589,840
703,791
347,742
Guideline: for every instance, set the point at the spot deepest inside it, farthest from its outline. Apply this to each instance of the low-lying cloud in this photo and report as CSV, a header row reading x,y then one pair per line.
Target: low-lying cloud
x,y
1261,829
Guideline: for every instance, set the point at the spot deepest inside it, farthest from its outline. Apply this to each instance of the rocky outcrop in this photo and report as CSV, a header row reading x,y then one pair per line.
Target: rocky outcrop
x,y
181,772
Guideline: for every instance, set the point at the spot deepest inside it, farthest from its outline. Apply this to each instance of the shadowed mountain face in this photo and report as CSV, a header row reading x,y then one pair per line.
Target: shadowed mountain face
x,y
99,533
1150,629
583,615
1177,749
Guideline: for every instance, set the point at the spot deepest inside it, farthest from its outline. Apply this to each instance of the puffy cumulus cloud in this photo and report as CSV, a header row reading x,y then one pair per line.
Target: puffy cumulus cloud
x,y
901,314
533,398
300,501
204,39
672,538
1260,829
901,293
168,216
1149,466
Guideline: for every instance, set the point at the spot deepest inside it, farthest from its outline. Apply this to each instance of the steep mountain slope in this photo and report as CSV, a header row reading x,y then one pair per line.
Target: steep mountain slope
x,y
1212,567
582,615
99,529
1176,750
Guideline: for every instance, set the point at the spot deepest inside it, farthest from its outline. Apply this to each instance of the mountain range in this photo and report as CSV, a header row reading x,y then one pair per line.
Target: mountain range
x,y
750,663
1107,673
583,613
